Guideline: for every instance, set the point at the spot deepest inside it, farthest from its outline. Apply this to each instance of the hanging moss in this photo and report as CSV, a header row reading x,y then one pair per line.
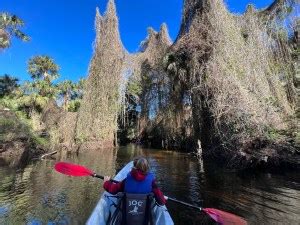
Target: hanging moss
x,y
227,79
97,117
239,72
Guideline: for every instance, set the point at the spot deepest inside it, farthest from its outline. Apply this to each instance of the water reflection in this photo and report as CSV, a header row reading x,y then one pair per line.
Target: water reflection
x,y
39,195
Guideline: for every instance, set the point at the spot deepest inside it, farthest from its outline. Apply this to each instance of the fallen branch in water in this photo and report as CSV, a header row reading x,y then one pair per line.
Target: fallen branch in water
x,y
48,154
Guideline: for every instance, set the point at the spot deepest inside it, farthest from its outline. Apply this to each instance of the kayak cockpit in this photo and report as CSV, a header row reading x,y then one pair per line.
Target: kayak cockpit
x,y
108,204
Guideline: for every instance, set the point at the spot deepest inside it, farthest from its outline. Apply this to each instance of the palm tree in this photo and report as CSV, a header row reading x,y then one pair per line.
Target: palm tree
x,y
65,89
33,96
79,88
43,67
9,27
7,84
44,88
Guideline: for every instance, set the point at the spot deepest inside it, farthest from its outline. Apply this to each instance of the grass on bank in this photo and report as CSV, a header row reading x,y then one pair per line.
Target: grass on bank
x,y
15,125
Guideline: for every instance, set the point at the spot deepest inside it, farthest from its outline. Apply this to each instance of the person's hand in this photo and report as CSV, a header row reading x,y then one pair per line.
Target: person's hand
x,y
106,178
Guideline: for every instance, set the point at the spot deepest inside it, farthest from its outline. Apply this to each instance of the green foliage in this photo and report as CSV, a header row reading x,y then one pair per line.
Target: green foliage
x,y
6,123
71,94
31,96
273,134
42,88
134,86
32,102
7,84
78,88
24,105
9,27
81,138
43,67
9,102
29,99
65,87
12,128
74,105
35,95
40,140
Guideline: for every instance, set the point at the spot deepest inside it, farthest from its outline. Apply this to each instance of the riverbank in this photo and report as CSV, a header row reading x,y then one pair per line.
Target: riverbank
x,y
19,144
280,150
259,155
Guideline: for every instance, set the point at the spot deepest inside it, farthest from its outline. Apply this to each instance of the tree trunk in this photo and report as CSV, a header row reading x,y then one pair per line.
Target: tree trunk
x,y
66,101
47,78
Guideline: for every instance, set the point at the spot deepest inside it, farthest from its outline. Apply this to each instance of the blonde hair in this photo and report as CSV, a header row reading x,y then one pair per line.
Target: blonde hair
x,y
141,164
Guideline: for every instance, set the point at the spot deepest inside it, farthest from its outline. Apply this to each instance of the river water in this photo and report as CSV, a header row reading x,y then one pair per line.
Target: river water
x,y
39,195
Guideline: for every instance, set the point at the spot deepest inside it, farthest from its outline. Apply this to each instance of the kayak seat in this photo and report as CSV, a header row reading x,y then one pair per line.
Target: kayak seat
x,y
132,209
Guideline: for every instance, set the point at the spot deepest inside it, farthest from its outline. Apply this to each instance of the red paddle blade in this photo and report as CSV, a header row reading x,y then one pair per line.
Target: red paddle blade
x,y
72,169
224,218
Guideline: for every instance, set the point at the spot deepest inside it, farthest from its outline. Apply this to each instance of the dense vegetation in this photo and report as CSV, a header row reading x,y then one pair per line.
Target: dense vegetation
x,y
227,87
33,96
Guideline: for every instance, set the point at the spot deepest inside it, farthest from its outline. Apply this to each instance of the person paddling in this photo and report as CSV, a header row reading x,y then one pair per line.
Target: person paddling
x,y
139,181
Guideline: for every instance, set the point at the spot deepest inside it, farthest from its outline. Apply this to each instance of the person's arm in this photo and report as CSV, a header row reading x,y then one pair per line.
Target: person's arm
x,y
113,188
159,196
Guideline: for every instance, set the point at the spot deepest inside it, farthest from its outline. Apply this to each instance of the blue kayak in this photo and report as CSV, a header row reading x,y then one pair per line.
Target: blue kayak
x,y
108,202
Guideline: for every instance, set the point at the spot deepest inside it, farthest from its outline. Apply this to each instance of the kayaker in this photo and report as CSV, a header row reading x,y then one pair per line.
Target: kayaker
x,y
138,181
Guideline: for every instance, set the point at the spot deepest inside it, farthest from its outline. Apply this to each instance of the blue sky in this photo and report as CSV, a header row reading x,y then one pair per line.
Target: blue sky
x,y
64,29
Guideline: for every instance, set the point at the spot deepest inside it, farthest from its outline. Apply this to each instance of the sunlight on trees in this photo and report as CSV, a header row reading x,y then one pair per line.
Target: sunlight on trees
x,y
43,67
10,27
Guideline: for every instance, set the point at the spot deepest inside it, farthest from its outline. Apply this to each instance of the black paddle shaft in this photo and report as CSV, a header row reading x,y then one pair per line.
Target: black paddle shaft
x,y
183,203
102,177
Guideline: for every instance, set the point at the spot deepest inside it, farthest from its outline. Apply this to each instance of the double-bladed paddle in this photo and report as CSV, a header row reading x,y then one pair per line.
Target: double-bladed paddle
x,y
76,170
217,215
